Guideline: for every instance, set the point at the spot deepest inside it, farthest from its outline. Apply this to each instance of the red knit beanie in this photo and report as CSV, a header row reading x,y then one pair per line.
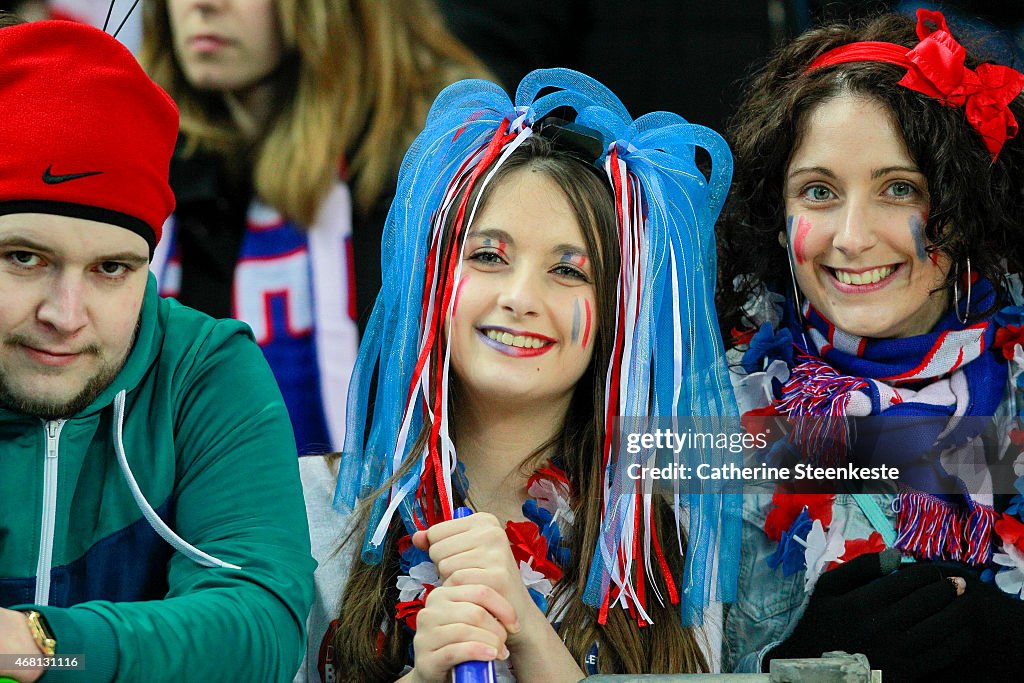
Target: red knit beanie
x,y
84,132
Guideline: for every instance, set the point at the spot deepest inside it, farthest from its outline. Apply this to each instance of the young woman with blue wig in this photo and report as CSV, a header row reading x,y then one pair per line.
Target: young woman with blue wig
x,y
542,278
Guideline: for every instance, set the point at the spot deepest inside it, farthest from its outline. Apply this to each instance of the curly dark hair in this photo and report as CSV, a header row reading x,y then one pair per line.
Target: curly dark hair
x,y
976,206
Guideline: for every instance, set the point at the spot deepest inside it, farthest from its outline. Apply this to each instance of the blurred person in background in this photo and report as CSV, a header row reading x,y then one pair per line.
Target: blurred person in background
x,y
295,115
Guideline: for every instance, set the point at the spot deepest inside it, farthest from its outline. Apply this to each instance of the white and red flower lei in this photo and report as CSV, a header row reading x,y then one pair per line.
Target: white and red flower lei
x,y
538,544
801,523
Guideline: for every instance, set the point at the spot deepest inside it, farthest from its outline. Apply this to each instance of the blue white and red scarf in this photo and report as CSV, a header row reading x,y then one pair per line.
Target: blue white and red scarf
x,y
949,372
295,287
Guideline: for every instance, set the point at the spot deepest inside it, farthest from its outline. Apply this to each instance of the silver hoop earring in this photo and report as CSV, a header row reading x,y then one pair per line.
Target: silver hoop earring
x,y
956,296
796,290
797,308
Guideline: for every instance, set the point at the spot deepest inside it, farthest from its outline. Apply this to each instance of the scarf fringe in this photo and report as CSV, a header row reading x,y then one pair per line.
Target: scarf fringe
x,y
817,396
980,524
932,529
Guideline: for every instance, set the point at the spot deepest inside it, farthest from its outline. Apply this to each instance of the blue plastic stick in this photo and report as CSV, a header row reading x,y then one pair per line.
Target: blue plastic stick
x,y
472,672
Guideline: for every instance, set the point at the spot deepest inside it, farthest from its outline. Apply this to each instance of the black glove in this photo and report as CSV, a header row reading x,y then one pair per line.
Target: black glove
x,y
909,623
997,622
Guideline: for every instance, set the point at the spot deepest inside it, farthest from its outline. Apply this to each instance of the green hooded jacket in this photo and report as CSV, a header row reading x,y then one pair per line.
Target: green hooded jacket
x,y
207,440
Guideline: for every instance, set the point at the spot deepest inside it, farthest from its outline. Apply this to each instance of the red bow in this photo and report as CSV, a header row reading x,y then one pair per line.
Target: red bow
x,y
938,71
935,67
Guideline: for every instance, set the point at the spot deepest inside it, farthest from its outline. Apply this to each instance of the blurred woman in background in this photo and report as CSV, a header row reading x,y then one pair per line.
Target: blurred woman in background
x,y
295,115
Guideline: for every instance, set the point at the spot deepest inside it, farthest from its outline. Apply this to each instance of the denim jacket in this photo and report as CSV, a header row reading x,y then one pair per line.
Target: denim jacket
x,y
768,604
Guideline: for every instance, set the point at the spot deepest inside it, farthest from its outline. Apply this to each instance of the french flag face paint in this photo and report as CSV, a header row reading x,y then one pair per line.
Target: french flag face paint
x,y
873,276
458,292
493,243
576,320
920,241
586,322
582,319
578,260
799,237
922,220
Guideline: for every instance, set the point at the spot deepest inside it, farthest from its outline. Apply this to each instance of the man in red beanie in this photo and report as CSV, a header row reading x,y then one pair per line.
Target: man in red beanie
x,y
152,525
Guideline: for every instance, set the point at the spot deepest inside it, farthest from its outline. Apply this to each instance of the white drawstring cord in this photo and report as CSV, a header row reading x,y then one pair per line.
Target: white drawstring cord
x,y
159,526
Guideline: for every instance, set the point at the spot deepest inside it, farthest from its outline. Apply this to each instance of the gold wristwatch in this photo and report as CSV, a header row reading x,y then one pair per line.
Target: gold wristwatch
x,y
41,632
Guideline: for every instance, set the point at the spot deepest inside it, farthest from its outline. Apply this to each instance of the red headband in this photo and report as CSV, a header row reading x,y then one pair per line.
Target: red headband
x,y
935,67
84,131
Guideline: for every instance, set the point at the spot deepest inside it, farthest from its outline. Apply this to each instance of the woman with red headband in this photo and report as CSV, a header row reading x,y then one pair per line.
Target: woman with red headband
x,y
874,219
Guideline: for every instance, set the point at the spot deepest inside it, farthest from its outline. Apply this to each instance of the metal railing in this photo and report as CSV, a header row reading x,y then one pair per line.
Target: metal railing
x,y
832,667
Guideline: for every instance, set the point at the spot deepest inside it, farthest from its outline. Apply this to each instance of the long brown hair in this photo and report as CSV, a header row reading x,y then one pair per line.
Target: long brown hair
x,y
355,84
371,594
